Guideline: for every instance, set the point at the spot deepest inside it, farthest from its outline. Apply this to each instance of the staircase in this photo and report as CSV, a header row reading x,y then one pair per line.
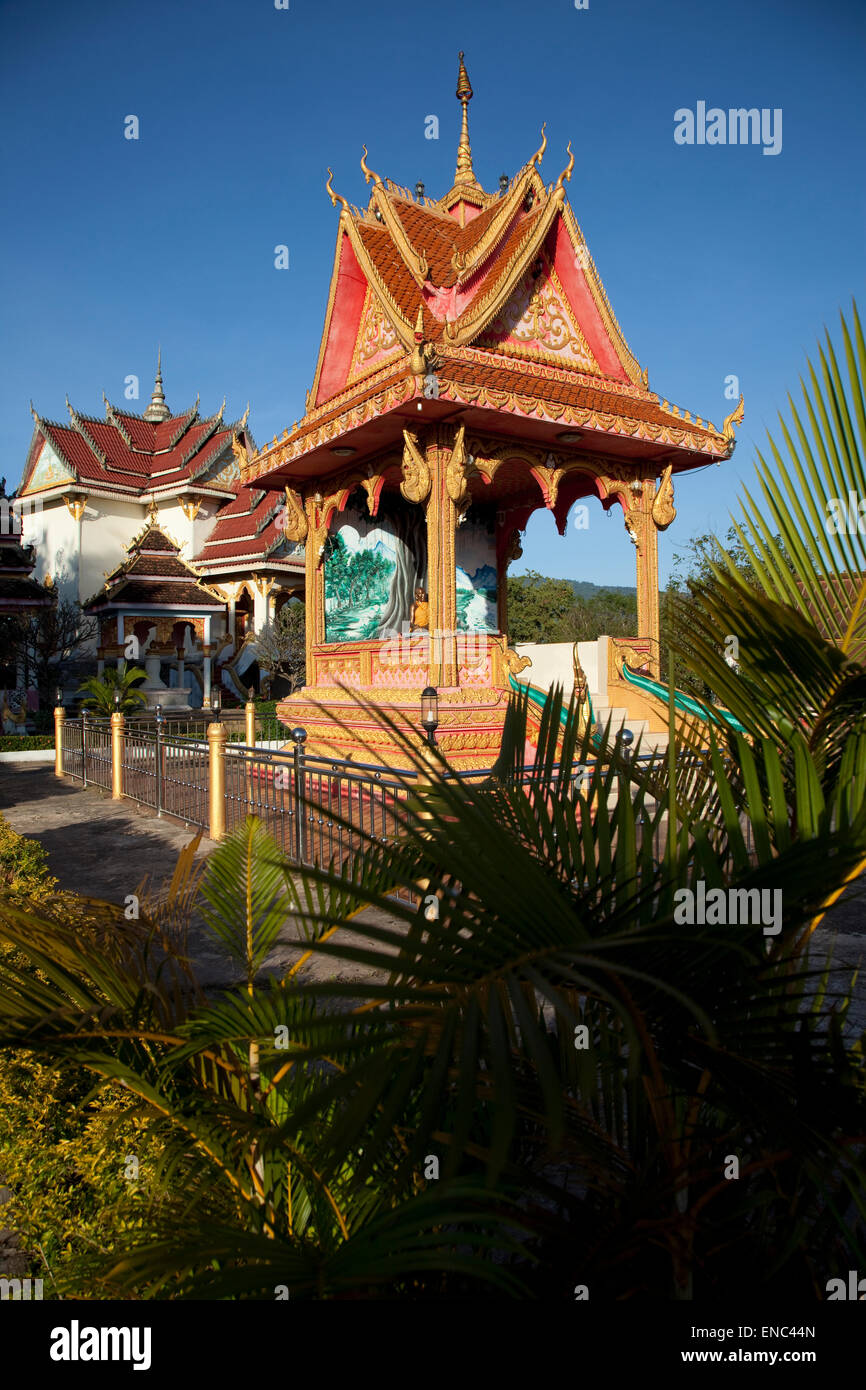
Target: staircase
x,y
618,716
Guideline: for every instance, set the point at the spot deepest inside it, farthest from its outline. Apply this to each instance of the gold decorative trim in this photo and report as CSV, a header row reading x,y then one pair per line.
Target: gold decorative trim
x,y
664,511
416,473
599,294
735,418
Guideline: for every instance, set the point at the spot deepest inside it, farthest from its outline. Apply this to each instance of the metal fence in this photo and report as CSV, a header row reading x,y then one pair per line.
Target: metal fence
x,y
318,810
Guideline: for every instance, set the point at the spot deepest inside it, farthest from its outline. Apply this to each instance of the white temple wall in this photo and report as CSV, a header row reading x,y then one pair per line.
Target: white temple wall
x,y
553,663
107,527
54,534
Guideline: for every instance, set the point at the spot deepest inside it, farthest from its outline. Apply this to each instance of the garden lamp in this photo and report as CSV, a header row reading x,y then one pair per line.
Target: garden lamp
x,y
58,696
430,713
216,701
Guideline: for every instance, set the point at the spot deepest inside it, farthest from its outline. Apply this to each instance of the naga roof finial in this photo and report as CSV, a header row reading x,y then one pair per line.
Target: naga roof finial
x,y
369,174
565,176
334,197
465,173
539,153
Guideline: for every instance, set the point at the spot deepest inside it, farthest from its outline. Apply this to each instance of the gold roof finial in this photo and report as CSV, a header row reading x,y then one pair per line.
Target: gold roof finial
x,y
539,153
465,173
369,174
335,197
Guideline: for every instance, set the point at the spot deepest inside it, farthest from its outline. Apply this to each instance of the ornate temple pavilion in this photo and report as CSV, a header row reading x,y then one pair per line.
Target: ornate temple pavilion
x,y
471,371
91,484
157,600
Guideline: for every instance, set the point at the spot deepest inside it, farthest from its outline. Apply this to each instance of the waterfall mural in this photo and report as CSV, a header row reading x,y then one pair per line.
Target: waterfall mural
x,y
372,567
476,572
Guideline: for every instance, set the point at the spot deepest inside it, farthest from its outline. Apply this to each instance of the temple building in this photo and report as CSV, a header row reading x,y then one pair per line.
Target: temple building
x,y
90,486
154,610
471,371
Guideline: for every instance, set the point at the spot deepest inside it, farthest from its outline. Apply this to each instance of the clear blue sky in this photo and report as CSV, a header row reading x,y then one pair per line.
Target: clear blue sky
x,y
718,260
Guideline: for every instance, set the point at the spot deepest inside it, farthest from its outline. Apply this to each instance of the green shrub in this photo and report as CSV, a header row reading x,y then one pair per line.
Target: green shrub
x,y
23,743
64,1151
23,867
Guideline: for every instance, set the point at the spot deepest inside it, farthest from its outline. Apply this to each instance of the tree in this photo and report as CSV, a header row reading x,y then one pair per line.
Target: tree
x,y
576,1074
101,690
548,610
536,607
49,639
677,608
281,645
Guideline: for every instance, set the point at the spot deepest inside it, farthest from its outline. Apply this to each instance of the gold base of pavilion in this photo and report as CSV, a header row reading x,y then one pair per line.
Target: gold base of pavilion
x,y
338,724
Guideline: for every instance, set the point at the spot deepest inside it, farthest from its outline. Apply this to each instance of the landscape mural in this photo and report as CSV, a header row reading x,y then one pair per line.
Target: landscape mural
x,y
372,567
476,572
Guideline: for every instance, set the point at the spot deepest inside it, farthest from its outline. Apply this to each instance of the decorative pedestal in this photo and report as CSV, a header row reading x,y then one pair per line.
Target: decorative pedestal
x,y
352,674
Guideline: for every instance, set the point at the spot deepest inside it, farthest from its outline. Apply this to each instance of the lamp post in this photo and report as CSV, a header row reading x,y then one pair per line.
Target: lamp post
x,y
430,713
216,702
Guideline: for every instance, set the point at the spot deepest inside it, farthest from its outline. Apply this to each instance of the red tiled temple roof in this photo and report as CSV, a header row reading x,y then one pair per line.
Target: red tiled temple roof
x,y
463,273
153,572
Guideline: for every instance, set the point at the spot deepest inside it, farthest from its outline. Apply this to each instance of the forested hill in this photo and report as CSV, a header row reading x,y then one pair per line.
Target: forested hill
x,y
568,610
584,589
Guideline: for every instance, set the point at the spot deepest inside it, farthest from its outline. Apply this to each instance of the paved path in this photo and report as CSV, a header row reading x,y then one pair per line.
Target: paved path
x,y
105,848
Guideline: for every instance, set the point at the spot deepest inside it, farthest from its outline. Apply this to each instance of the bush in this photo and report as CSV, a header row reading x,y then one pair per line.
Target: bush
x,y
64,1152
23,743
24,872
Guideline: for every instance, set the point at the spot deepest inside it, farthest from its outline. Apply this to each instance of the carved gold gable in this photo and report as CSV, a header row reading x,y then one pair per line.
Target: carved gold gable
x,y
377,339
538,323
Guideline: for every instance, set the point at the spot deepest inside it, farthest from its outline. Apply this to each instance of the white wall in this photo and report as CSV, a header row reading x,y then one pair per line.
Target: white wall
x,y
107,527
53,532
553,662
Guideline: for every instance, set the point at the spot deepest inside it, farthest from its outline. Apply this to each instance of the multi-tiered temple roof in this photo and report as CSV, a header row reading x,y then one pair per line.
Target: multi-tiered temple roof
x,y
156,457
486,304
130,455
154,575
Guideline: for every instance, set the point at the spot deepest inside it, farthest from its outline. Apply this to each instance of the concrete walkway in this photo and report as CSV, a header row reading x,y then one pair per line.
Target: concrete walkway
x,y
106,849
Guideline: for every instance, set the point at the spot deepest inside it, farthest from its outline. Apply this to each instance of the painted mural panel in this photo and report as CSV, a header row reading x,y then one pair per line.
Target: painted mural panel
x,y
476,572
372,567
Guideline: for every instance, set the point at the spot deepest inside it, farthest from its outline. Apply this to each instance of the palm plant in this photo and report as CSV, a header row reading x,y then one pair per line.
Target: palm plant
x,y
394,1132
544,1078
797,602
115,681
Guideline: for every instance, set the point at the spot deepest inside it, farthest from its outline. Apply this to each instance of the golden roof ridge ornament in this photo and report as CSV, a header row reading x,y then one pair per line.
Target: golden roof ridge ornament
x,y
369,174
735,418
334,197
464,172
539,153
565,176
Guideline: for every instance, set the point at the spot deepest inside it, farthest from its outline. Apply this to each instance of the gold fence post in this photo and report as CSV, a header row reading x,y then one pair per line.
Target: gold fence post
x,y
59,721
250,711
216,740
118,725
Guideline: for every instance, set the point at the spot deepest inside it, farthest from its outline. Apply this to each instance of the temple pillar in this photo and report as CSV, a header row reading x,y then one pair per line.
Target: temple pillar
x,y
642,529
206,676
442,513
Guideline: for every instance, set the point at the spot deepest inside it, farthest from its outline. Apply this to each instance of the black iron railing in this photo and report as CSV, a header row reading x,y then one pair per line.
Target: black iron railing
x,y
318,810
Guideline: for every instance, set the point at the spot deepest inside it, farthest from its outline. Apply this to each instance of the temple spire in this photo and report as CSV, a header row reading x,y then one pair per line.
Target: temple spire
x,y
465,173
158,410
